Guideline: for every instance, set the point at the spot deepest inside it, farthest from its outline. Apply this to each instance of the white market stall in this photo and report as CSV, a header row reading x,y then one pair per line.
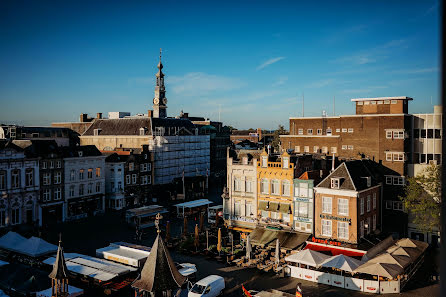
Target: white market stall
x,y
32,247
125,253
191,207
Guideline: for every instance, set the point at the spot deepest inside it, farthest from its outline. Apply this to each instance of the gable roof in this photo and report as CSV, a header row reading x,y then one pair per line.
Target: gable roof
x,y
60,270
353,176
4,144
122,126
87,151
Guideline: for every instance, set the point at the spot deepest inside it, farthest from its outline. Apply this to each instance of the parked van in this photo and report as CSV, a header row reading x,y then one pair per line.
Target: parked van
x,y
210,286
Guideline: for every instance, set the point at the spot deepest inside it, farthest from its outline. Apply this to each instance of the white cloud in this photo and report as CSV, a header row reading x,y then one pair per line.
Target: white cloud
x,y
280,81
417,71
269,62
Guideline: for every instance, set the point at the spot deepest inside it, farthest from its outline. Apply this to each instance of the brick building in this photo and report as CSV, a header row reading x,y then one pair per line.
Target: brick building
x,y
347,204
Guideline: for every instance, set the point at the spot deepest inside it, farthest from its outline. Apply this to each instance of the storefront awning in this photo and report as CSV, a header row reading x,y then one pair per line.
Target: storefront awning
x,y
273,206
262,205
287,240
285,208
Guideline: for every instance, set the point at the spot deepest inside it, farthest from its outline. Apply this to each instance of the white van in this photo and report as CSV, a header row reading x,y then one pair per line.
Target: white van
x,y
210,286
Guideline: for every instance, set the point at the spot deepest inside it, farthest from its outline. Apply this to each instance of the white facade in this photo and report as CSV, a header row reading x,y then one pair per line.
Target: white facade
x,y
114,185
19,187
175,154
84,186
240,210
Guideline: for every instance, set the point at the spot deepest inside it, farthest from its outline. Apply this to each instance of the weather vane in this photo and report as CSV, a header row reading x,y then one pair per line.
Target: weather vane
x,y
157,222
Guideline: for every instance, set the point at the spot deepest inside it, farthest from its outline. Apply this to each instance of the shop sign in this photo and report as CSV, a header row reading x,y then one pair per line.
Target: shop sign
x,y
330,217
326,241
300,219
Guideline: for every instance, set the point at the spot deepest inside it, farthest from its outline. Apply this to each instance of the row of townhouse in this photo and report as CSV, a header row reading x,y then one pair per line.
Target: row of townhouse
x,y
297,193
42,183
381,130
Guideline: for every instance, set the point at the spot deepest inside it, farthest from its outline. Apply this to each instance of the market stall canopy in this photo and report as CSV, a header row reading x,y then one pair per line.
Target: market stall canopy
x,y
10,240
308,257
342,262
380,269
33,247
386,258
378,248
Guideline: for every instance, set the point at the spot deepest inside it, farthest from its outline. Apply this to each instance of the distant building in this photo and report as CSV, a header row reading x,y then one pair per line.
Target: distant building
x,y
62,136
118,114
81,126
114,181
347,204
19,186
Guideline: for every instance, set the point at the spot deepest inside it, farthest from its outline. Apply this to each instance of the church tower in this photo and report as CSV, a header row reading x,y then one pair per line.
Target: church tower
x,y
160,100
59,275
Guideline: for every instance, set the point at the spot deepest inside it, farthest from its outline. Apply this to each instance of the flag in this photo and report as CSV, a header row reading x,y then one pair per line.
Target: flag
x,y
298,291
246,292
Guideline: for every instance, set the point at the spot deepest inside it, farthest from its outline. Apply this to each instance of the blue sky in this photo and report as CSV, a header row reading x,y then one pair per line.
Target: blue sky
x,y
251,60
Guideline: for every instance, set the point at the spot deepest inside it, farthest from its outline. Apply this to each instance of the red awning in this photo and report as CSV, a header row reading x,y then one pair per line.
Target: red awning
x,y
318,247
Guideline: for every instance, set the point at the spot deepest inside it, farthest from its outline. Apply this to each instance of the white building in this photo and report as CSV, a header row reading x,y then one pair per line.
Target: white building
x,y
84,182
19,186
240,204
114,182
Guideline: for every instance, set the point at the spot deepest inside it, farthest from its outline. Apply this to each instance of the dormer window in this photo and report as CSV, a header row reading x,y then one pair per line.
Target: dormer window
x,y
335,182
245,160
97,132
80,153
264,161
286,163
142,131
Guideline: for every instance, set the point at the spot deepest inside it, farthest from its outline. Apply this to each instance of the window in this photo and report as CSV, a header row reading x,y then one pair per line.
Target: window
x,y
131,166
360,103
335,183
51,164
297,149
372,102
264,161
380,102
398,134
133,178
389,204
374,200
29,177
46,179
361,228
325,150
423,133
397,205
57,177
310,131
342,207
15,178
437,133
2,218
248,210
248,186
119,185
275,187
15,216
59,164
127,179
350,130
2,180
398,180
57,194
303,190
328,132
301,131
361,205
98,187
90,173
388,156
237,184
98,172
326,204
344,147
71,191
286,188
286,162
306,149
90,188
149,166
72,175
374,222
369,201
319,131
334,150
338,130
81,174
46,195
389,134
315,149
44,165
344,130
398,156
302,210
350,147
81,190
149,179
393,102
416,133
369,227
264,186
142,167
343,230
237,208
326,228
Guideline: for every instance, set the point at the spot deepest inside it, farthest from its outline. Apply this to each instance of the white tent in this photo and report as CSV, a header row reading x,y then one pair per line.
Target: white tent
x,y
342,262
308,257
36,247
11,240
380,269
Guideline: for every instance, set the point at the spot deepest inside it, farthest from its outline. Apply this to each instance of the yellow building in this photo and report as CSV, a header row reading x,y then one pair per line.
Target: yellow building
x,y
275,190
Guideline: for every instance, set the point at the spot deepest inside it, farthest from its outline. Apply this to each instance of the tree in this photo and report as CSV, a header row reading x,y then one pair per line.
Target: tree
x,y
422,198
276,138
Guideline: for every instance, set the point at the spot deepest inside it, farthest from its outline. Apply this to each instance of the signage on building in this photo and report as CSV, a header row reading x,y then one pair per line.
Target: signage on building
x,y
302,199
330,217
326,241
300,219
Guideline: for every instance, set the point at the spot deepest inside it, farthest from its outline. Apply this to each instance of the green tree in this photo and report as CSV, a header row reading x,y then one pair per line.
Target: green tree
x,y
276,137
422,198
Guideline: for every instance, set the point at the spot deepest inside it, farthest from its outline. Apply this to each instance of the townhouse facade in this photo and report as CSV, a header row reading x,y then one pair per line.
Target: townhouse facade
x,y
114,182
19,186
347,204
240,203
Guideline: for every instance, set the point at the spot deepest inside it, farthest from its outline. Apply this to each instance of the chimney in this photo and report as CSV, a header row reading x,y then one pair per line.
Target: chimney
x,y
186,115
99,115
83,117
259,133
150,113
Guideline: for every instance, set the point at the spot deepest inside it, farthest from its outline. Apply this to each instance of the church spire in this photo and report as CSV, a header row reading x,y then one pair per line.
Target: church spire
x,y
59,274
160,100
